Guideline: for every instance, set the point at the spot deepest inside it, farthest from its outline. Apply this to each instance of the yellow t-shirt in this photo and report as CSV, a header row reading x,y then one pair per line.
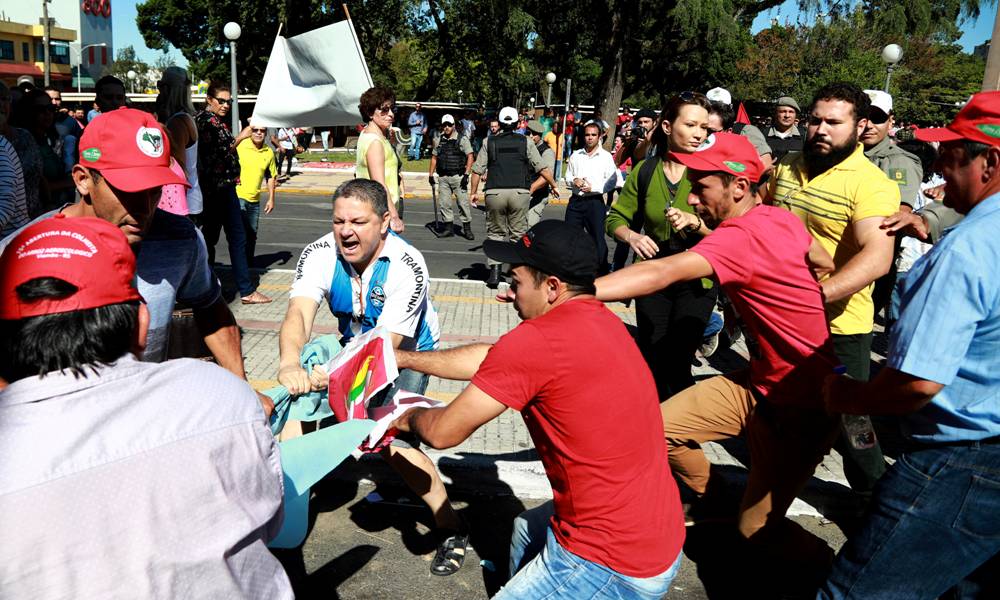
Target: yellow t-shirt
x,y
391,163
829,205
254,163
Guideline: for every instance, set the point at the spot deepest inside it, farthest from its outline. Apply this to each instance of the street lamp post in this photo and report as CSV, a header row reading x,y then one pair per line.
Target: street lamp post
x,y
79,57
459,96
232,31
891,55
131,77
531,101
550,78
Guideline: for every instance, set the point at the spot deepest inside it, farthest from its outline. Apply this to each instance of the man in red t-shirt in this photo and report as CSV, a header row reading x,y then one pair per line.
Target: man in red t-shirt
x,y
767,264
590,405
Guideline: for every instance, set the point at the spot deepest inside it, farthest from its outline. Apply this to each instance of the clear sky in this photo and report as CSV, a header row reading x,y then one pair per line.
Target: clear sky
x,y
127,33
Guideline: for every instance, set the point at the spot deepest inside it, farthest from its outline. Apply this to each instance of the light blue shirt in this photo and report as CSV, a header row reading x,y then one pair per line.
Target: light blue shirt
x,y
949,330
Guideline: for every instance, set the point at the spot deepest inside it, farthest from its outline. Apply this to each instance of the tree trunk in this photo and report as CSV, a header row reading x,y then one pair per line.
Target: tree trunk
x,y
611,84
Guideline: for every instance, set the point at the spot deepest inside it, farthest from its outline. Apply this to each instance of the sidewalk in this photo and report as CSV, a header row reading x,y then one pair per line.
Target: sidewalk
x,y
500,454
323,178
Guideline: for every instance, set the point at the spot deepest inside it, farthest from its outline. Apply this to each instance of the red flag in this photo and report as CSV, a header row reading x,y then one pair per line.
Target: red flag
x,y
742,116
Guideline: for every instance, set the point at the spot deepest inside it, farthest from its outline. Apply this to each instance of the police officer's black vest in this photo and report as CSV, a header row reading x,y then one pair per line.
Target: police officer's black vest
x,y
451,160
782,146
508,162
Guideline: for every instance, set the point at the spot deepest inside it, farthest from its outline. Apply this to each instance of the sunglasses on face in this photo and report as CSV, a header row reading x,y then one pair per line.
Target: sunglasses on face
x,y
387,109
258,131
223,100
878,117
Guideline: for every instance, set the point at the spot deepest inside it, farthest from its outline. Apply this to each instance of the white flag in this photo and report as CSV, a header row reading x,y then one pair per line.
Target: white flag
x,y
313,80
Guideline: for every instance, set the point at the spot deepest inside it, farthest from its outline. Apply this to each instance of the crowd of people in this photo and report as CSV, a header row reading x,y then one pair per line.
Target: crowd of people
x,y
129,470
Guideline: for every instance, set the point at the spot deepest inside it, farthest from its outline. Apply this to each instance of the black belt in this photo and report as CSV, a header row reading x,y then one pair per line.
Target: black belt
x,y
588,196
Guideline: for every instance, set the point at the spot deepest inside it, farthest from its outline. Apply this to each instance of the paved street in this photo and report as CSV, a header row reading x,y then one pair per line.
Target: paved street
x,y
364,549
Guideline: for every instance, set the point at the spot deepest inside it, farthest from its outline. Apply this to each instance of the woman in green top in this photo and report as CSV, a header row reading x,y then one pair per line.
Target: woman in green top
x,y
376,159
672,321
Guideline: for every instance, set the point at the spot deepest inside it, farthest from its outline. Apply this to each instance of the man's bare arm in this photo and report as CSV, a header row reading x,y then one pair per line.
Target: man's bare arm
x,y
648,276
451,425
819,259
870,263
218,327
295,331
459,363
892,392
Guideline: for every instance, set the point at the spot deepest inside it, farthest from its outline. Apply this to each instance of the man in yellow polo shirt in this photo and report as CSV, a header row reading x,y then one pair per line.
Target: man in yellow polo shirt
x,y
256,158
842,198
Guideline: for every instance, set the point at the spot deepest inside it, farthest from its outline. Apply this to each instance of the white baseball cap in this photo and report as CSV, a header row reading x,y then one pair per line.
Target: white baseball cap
x,y
880,100
719,94
448,119
508,115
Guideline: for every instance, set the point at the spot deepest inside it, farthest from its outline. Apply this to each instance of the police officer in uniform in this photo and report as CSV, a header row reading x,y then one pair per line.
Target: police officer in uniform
x,y
451,159
785,135
539,189
511,161
899,165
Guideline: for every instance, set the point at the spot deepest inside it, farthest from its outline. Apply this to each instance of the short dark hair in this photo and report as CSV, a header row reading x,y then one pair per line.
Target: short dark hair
x,y
669,113
372,99
729,178
725,112
73,341
847,92
974,149
107,80
370,192
538,276
595,125
215,87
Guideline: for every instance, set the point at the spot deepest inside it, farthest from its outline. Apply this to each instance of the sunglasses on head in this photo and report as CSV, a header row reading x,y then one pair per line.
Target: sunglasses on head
x,y
223,100
690,96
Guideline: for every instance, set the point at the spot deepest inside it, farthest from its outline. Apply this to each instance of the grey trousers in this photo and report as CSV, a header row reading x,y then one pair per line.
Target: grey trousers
x,y
506,215
537,207
449,185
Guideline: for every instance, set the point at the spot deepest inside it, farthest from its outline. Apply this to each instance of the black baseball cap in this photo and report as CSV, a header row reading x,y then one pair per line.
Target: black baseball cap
x,y
553,247
646,112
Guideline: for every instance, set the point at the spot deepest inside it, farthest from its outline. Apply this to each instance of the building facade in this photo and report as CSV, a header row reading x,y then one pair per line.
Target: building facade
x,y
80,35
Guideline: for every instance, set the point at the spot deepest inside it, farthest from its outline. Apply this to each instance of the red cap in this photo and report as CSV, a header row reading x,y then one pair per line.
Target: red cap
x,y
727,152
130,149
978,121
90,253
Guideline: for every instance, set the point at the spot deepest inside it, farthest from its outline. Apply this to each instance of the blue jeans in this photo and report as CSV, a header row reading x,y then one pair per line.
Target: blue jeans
x,y
251,219
222,211
415,142
931,524
551,571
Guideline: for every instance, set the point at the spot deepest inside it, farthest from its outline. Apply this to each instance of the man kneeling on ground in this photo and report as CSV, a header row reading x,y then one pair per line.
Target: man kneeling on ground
x,y
614,527
121,477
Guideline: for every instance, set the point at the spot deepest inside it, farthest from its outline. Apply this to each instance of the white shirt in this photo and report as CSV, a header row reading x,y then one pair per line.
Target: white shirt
x,y
405,295
597,169
140,481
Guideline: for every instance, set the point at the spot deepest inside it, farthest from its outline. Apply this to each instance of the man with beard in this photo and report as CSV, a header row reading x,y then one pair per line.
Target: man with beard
x,y
842,198
776,402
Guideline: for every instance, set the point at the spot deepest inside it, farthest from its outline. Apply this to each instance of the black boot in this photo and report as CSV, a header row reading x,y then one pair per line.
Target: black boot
x,y
443,230
493,281
467,231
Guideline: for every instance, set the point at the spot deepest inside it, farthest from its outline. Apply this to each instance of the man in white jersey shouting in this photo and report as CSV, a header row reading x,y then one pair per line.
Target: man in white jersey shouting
x,y
371,277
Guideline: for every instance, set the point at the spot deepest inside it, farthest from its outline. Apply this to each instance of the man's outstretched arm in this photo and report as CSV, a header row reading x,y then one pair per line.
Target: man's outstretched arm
x,y
449,426
648,276
459,363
